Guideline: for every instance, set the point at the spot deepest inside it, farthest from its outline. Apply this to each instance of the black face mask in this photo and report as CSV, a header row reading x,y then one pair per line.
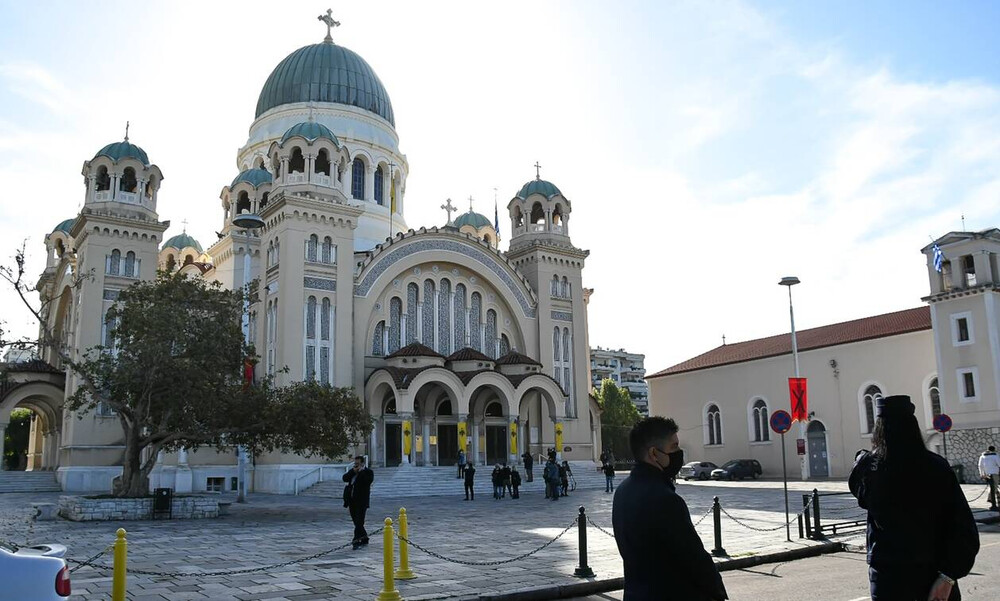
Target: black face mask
x,y
674,467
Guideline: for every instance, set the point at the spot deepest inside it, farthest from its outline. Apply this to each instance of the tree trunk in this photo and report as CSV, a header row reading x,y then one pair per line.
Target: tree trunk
x,y
135,480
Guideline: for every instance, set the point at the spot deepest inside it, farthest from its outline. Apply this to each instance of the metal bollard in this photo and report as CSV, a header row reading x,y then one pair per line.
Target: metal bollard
x,y
806,516
388,592
718,551
583,570
404,572
118,570
817,526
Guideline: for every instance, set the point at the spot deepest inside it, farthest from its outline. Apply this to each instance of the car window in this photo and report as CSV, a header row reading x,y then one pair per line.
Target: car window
x,y
730,465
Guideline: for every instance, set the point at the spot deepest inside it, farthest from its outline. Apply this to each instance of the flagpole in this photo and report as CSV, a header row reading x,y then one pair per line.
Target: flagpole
x,y
392,197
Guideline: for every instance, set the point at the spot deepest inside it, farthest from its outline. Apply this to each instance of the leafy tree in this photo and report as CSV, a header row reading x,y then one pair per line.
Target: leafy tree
x,y
618,415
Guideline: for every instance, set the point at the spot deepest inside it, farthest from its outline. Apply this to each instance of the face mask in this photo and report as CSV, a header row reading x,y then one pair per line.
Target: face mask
x,y
676,462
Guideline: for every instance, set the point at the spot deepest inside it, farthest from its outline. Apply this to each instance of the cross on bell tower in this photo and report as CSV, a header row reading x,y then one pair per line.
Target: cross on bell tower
x,y
330,24
449,208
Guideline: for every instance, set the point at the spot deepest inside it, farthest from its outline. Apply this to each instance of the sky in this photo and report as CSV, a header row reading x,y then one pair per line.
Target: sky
x,y
708,148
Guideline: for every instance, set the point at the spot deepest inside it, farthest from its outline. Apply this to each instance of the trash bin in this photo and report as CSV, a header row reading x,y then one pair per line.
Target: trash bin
x,y
163,502
959,470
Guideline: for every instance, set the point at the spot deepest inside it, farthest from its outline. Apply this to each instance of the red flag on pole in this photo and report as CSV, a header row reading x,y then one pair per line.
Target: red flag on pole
x,y
800,403
247,373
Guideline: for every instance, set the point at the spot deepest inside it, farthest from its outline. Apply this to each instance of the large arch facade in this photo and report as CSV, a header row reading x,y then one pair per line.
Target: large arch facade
x,y
44,397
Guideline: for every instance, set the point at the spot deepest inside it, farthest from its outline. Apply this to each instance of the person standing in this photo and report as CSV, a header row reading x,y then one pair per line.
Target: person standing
x,y
551,476
918,545
515,481
529,462
609,476
495,478
505,481
663,556
461,463
564,474
989,470
470,476
357,495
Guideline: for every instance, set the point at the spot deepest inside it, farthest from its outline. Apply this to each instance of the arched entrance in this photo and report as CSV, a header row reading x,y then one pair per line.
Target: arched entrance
x,y
539,412
43,398
819,462
437,415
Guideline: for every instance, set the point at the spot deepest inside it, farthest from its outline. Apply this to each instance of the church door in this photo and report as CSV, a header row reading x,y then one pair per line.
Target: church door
x,y
447,444
393,444
496,444
818,465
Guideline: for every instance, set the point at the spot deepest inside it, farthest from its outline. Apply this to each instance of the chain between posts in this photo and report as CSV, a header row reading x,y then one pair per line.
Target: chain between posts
x,y
89,560
488,563
754,528
106,568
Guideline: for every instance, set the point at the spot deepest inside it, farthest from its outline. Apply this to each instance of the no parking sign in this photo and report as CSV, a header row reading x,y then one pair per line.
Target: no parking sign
x,y
781,421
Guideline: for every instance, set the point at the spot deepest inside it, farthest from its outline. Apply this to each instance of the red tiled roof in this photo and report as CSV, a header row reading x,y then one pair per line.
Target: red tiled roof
x,y
868,328
468,354
415,349
516,358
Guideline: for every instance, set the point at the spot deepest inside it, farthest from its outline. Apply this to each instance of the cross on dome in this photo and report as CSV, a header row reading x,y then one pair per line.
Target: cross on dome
x,y
449,209
126,131
538,171
185,224
470,203
330,24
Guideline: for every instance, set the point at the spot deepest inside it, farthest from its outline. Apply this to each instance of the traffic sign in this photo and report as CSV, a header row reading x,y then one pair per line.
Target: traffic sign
x,y
942,423
781,421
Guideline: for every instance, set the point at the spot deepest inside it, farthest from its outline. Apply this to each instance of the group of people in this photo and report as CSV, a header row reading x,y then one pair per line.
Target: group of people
x,y
506,480
918,546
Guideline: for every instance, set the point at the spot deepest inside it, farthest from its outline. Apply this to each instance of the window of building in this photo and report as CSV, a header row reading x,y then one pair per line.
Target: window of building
x,y
395,319
329,254
377,339
114,262
868,400
130,265
358,179
961,329
214,484
969,270
312,245
934,394
713,425
968,384
494,409
379,185
759,430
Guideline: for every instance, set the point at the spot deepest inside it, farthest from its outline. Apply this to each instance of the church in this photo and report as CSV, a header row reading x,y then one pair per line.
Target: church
x,y
452,343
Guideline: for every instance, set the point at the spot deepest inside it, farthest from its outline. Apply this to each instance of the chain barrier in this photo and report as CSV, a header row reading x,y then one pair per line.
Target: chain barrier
x,y
130,570
89,560
487,563
980,495
756,529
703,516
595,525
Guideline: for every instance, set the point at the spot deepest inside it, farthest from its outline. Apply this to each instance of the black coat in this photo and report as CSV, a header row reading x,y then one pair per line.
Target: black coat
x,y
930,528
515,479
470,473
663,556
359,493
528,460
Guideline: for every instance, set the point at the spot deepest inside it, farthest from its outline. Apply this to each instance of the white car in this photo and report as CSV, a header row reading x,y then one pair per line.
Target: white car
x,y
37,573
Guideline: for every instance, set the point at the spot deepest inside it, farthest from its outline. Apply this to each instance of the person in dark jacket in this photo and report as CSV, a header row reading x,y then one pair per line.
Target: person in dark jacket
x,y
505,481
515,481
918,545
551,475
357,494
470,475
497,480
529,462
609,476
563,479
663,556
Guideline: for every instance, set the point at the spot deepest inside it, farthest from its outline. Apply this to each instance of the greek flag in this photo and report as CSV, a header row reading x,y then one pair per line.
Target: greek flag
x,y
938,257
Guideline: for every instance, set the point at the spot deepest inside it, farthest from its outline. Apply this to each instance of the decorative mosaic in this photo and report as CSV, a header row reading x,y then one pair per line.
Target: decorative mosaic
x,y
324,365
324,320
111,294
319,284
428,314
444,318
491,334
377,349
475,319
562,316
310,362
488,261
412,292
556,346
395,314
311,318
460,316
504,345
566,354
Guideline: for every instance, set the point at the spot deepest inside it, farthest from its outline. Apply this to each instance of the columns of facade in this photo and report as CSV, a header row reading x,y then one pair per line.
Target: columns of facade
x,y
558,445
408,457
548,220
565,224
513,436
310,165
984,275
184,479
475,441
114,186
284,169
91,187
957,273
427,440
369,183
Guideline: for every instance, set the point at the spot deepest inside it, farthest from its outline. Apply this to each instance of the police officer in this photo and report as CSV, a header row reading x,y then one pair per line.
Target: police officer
x,y
919,545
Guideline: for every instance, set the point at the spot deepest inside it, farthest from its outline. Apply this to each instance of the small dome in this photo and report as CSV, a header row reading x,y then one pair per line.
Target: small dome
x,y
310,130
117,151
325,73
255,177
65,226
182,241
538,186
472,218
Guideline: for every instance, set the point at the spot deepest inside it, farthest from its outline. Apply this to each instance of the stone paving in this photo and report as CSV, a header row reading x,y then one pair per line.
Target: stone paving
x,y
273,529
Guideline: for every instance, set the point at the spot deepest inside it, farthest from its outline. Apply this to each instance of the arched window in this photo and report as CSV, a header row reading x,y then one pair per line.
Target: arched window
x,y
311,248
263,199
412,298
103,179
518,217
475,321
567,361
868,401
188,259
565,287
504,345
150,186
494,409
460,315
390,407
377,348
379,185
935,397
555,286
170,263
395,315
310,367
556,354
322,163
491,334
537,214
128,182
444,408
444,317
758,421
327,250
114,265
427,315
243,203
297,163
270,253
324,345
130,264
358,179
557,216
713,422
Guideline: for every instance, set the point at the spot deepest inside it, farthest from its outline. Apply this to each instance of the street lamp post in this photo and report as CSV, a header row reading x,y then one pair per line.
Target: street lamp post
x,y
790,281
247,222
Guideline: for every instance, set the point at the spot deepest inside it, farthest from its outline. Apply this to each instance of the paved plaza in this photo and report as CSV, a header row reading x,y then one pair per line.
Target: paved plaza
x,y
275,529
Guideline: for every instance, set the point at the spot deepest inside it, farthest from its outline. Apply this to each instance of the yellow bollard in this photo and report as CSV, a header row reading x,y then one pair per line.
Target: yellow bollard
x,y
404,572
118,574
388,592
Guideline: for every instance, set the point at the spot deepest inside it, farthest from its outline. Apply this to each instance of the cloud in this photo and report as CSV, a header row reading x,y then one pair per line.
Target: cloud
x,y
36,84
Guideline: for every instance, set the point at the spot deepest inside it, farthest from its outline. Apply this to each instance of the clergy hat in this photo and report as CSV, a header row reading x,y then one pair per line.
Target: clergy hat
x,y
898,405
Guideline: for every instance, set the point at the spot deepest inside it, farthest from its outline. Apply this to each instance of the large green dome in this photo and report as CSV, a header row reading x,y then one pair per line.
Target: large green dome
x,y
538,186
325,72
182,241
472,218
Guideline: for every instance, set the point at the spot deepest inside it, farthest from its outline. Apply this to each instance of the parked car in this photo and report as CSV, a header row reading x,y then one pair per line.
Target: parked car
x,y
699,470
738,469
37,573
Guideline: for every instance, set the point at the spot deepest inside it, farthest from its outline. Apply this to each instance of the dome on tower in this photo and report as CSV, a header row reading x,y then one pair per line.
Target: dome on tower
x,y
472,218
325,72
255,177
538,186
65,226
117,151
182,241
310,130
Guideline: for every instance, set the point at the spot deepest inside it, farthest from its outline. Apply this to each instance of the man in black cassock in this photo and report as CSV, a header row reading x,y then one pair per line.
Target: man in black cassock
x,y
357,494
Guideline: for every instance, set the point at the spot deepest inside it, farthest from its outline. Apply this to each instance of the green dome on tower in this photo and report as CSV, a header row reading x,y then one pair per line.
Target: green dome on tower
x,y
117,151
310,130
255,177
182,241
65,226
538,186
472,218
325,72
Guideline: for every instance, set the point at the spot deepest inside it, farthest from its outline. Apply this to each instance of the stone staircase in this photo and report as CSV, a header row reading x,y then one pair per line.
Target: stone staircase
x,y
435,481
28,482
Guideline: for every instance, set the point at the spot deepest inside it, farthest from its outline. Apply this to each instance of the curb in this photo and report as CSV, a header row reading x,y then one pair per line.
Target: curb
x,y
593,587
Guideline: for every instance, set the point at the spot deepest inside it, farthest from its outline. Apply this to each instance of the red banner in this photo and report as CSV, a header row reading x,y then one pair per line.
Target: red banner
x,y
798,394
247,373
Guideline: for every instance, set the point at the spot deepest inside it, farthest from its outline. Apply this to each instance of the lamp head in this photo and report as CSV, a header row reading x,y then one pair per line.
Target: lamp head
x,y
248,221
788,281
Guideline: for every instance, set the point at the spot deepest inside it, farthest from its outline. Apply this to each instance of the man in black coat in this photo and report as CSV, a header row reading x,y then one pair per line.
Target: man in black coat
x,y
357,494
663,556
529,462
470,478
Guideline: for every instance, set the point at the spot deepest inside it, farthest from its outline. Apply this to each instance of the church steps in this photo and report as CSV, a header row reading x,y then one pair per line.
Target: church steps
x,y
21,482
